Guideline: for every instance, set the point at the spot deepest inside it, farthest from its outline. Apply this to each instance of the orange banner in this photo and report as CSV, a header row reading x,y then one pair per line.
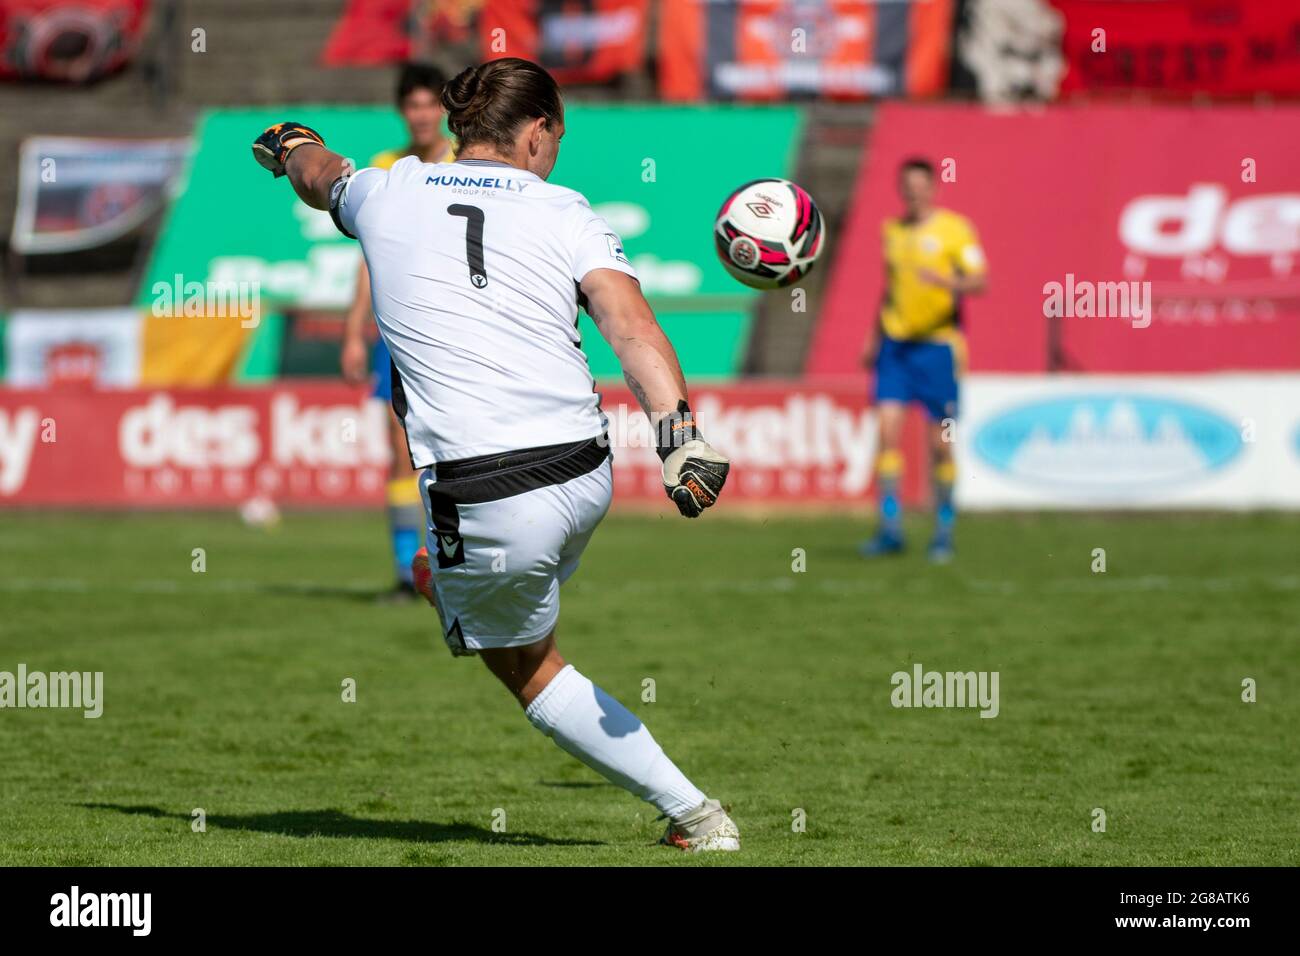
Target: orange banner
x,y
773,50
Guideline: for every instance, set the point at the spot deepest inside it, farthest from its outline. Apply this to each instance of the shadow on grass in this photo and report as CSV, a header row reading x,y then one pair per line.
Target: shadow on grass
x,y
335,823
573,784
379,597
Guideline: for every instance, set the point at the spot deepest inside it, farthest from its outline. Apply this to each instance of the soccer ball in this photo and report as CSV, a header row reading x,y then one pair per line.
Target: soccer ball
x,y
260,512
769,233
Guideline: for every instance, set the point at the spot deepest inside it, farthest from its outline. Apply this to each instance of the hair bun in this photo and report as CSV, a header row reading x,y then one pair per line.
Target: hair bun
x,y
459,94
487,104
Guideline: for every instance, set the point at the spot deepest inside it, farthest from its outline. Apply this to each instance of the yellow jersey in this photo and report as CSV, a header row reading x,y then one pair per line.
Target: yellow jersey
x,y
945,244
386,159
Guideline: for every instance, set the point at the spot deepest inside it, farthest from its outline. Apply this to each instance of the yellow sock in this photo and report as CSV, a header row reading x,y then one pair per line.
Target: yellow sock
x,y
889,471
405,523
404,491
945,473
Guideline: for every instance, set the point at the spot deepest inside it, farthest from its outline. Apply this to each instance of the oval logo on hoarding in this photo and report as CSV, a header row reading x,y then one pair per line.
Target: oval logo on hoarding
x,y
1105,444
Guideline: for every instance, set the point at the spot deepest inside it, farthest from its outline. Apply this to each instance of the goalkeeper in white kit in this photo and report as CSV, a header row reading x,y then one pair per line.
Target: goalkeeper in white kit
x,y
478,268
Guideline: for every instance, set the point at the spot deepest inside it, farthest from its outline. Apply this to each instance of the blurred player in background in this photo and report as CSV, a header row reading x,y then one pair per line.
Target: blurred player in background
x,y
479,267
419,88
932,259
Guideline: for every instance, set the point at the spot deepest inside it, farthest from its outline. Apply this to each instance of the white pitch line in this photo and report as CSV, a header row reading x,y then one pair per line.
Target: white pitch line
x,y
163,586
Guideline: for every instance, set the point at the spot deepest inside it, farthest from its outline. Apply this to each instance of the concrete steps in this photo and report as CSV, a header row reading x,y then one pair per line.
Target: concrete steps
x,y
827,167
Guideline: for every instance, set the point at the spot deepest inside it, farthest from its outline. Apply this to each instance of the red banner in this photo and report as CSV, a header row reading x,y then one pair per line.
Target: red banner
x,y
588,41
372,33
71,41
379,32
1088,217
772,50
1224,47
305,444
325,445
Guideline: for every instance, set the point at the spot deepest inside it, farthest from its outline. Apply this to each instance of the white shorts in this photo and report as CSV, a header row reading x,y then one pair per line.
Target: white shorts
x,y
498,564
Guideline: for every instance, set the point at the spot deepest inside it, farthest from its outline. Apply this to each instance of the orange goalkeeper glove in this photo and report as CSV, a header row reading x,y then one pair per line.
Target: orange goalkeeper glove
x,y
273,147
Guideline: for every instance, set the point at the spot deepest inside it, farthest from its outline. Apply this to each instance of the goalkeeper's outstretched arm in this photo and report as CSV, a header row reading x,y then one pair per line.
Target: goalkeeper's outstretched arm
x,y
312,172
648,359
693,472
297,151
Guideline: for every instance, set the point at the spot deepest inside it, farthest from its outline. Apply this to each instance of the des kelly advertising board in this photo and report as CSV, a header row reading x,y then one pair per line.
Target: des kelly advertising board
x,y
325,445
1023,441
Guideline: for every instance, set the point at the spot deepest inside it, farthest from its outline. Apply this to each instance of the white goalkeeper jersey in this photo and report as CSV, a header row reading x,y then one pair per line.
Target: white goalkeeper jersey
x,y
474,271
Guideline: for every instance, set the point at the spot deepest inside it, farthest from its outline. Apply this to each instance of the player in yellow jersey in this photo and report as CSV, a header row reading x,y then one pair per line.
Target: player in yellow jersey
x,y
419,88
932,260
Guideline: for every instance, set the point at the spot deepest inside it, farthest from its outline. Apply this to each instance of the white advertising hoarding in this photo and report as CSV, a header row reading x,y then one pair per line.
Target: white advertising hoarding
x,y
1090,441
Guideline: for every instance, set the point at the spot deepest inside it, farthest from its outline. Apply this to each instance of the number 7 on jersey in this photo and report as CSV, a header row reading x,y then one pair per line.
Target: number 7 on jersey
x,y
473,241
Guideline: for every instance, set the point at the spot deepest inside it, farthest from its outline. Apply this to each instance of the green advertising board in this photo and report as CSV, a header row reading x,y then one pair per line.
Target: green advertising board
x,y
657,173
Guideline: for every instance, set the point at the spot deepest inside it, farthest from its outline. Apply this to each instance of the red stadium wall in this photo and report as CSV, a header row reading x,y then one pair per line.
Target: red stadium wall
x,y
1202,203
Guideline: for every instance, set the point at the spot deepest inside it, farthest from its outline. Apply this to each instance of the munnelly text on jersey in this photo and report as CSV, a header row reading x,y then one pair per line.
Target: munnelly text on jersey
x,y
478,182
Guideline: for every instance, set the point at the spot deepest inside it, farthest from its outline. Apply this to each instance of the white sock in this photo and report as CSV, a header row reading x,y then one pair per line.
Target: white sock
x,y
606,736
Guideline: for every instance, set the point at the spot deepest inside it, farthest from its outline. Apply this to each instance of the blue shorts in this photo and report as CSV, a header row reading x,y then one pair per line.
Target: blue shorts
x,y
381,366
924,372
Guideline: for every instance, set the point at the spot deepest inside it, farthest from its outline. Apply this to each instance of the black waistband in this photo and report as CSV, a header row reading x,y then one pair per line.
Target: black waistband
x,y
490,477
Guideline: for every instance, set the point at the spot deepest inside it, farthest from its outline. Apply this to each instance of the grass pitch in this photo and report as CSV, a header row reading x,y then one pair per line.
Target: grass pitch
x,y
223,691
